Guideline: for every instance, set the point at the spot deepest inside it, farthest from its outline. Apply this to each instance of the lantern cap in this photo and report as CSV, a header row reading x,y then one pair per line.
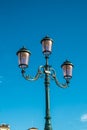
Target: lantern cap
x,y
23,49
47,38
67,62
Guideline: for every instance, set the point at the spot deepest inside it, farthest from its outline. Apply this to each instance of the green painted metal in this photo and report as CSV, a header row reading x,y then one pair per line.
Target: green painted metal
x,y
47,97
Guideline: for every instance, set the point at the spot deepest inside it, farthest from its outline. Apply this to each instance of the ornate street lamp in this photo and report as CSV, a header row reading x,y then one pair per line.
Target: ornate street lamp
x,y
47,71
4,127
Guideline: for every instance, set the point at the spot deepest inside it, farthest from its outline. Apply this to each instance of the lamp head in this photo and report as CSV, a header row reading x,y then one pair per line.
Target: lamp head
x,y
47,45
67,67
23,57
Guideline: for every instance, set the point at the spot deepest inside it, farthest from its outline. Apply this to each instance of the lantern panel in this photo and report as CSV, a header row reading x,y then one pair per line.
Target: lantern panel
x,y
67,71
47,46
67,67
23,59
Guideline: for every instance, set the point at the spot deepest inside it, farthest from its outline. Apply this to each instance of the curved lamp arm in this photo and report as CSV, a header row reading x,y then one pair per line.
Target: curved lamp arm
x,y
54,77
42,71
38,74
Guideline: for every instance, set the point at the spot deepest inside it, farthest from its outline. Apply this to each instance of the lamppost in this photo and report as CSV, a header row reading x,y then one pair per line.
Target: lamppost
x,y
46,70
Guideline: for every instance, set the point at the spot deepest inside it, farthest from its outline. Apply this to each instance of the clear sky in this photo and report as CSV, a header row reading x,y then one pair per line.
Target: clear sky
x,y
26,22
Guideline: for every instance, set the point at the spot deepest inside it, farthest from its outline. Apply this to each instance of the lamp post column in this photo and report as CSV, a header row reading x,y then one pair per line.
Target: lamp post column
x,y
47,97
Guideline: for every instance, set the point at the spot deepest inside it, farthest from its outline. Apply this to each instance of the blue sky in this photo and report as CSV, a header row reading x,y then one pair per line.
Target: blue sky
x,y
22,103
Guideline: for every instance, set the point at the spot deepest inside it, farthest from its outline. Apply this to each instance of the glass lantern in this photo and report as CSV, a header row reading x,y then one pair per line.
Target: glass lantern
x,y
23,57
67,67
46,45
